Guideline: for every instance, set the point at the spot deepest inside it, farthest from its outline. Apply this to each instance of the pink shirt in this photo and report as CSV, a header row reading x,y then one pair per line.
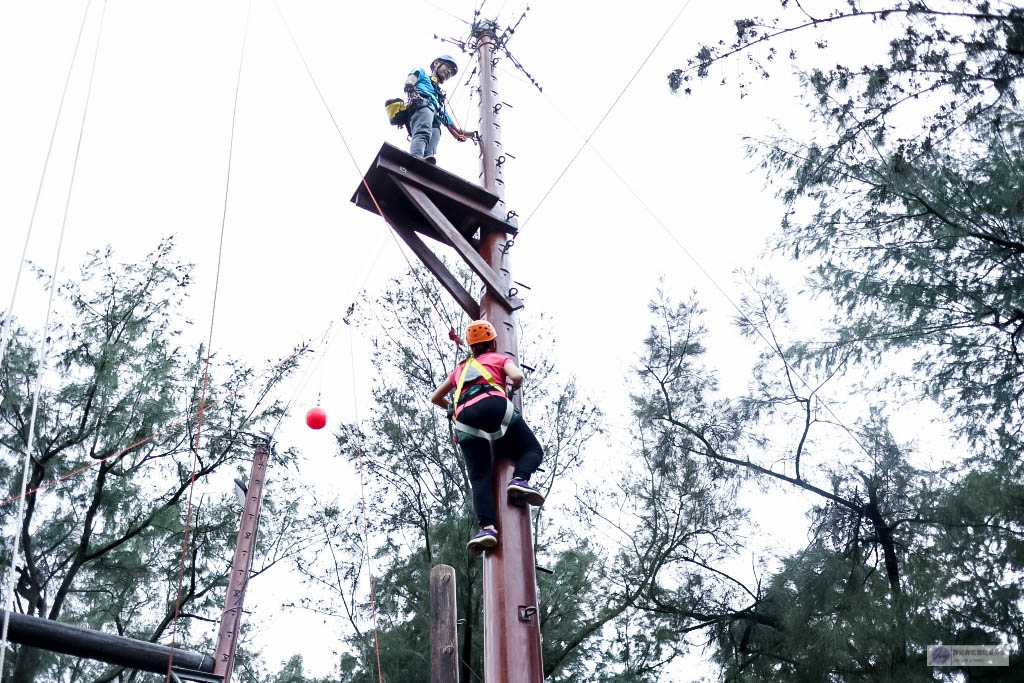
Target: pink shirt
x,y
495,364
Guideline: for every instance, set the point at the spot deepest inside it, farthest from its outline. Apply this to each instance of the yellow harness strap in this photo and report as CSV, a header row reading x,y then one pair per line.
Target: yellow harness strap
x,y
509,410
478,366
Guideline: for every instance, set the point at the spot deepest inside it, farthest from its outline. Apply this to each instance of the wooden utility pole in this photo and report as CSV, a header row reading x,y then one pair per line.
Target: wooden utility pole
x,y
231,617
444,637
512,649
419,200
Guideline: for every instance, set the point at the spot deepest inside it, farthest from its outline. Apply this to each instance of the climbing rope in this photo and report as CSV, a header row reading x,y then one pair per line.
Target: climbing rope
x,y
615,102
450,14
318,357
370,569
177,423
7,324
441,313
362,494
209,347
700,266
326,340
44,340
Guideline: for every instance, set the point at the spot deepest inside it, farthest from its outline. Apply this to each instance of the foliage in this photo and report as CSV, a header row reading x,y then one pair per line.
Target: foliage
x,y
420,514
906,198
112,459
900,557
932,260
951,62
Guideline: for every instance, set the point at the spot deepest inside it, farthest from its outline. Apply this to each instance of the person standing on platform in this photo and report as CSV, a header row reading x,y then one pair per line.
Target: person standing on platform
x,y
483,415
427,110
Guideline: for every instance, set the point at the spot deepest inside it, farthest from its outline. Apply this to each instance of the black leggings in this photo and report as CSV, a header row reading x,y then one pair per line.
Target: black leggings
x,y
519,445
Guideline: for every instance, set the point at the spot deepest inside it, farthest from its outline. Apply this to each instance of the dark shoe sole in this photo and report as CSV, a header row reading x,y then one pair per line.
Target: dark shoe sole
x,y
520,496
478,545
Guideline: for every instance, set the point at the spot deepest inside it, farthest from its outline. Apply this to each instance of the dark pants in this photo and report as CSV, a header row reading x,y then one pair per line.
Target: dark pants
x,y
519,445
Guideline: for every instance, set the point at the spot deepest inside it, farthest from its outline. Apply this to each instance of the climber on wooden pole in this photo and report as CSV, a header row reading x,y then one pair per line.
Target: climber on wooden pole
x,y
485,417
418,200
425,110
512,647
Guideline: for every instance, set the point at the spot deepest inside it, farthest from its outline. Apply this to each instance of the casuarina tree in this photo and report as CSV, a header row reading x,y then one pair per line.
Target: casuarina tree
x,y
420,514
110,466
900,554
903,199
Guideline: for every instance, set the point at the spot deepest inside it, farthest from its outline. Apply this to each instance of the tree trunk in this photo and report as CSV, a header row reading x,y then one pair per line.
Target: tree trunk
x,y
892,571
26,664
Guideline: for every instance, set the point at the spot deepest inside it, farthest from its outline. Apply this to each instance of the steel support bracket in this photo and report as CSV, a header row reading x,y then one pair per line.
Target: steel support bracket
x,y
453,238
526,613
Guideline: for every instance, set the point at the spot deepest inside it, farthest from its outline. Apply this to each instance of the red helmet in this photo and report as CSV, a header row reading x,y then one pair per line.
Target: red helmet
x,y
480,331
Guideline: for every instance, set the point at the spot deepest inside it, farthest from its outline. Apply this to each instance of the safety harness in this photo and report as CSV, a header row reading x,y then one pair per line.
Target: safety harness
x,y
479,371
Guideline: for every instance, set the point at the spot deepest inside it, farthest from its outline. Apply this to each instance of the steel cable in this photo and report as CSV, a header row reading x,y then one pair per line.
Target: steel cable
x,y
44,340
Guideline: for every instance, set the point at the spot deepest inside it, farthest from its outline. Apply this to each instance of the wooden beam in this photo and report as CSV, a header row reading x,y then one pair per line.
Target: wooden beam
x,y
484,213
434,264
56,636
444,639
453,237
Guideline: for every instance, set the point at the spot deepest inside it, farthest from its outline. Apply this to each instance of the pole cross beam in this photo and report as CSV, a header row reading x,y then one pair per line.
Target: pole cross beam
x,y
419,199
453,238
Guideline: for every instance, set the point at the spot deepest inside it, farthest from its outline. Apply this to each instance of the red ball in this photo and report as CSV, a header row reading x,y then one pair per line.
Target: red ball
x,y
316,418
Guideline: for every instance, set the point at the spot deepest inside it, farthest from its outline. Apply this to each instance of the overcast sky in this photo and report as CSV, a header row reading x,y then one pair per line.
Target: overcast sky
x,y
154,156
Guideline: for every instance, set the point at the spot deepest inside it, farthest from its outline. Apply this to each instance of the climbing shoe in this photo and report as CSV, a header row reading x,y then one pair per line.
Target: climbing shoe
x,y
520,491
485,539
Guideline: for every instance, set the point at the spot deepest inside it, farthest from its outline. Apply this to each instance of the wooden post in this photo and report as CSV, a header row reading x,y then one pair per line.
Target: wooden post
x,y
245,544
109,648
512,647
444,640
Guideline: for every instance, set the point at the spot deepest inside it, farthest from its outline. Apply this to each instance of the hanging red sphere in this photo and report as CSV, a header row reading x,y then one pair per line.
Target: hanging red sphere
x,y
316,418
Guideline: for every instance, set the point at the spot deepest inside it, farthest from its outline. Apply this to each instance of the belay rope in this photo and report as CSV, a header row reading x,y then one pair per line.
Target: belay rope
x,y
481,371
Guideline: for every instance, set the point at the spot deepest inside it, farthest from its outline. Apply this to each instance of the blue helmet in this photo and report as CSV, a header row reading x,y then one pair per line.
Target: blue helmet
x,y
445,58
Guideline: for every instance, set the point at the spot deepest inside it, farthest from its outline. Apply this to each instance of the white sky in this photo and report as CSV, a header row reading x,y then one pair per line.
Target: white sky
x,y
154,156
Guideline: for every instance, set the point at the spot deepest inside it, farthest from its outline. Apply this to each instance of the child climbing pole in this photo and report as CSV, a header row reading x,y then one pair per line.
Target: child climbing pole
x,y
426,110
483,415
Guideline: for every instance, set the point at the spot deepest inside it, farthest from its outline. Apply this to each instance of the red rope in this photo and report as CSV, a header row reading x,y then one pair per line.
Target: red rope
x,y
195,446
362,493
126,449
209,345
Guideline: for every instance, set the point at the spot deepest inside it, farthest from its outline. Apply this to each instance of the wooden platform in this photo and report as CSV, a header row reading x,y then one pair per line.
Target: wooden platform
x,y
417,198
466,205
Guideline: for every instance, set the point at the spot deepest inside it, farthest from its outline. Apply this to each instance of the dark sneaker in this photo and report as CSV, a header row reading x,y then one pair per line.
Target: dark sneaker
x,y
520,491
431,160
485,539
